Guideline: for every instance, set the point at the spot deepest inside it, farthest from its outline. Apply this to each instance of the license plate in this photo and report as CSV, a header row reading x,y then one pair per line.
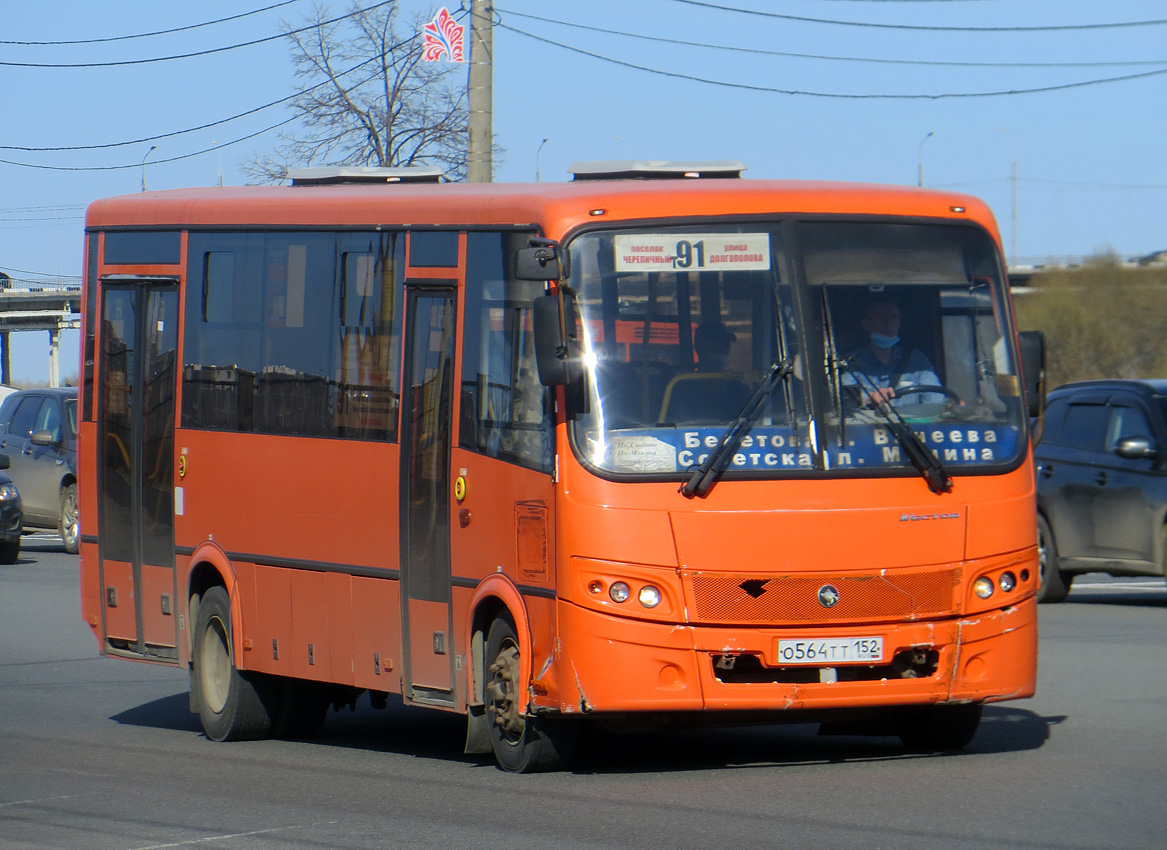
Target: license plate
x,y
827,651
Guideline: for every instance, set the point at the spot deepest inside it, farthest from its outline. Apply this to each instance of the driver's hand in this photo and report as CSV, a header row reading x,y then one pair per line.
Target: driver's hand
x,y
880,396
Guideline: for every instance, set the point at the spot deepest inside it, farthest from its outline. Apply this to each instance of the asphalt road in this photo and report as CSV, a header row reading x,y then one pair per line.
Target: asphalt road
x,y
101,754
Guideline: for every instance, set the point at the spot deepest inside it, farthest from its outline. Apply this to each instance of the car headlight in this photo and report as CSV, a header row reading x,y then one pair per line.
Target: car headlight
x,y
8,492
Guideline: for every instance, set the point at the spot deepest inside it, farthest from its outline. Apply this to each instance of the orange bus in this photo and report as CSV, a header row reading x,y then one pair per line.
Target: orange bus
x,y
656,443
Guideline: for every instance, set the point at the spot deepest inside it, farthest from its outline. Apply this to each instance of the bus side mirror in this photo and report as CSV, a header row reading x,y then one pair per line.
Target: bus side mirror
x,y
5,461
556,347
1033,371
544,260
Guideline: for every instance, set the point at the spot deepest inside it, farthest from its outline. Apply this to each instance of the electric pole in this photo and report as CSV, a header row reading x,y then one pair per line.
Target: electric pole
x,y
480,95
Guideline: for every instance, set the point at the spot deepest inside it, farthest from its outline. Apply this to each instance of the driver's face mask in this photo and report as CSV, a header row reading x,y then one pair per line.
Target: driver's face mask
x,y
883,340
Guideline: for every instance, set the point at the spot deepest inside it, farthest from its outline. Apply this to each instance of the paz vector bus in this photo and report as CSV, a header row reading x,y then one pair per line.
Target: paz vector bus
x,y
655,443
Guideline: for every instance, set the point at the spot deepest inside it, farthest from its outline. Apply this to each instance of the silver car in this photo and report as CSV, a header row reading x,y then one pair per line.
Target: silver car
x,y
38,431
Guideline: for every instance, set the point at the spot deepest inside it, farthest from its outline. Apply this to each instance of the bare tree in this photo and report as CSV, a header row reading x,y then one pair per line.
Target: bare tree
x,y
366,98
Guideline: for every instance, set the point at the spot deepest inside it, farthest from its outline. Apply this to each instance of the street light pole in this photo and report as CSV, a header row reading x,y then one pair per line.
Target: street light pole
x,y
152,149
539,153
920,158
1013,226
1013,201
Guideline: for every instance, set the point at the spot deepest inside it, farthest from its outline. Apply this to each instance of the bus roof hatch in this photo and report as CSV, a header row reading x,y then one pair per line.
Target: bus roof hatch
x,y
336,174
625,169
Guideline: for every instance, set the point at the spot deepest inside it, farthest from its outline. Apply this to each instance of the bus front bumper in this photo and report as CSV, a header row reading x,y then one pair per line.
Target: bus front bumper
x,y
612,664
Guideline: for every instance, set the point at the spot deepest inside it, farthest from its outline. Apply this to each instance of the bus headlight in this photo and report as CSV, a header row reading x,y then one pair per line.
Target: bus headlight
x,y
619,591
649,596
983,587
8,492
1008,581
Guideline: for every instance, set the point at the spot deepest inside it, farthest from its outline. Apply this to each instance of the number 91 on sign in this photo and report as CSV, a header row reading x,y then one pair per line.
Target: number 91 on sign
x,y
831,651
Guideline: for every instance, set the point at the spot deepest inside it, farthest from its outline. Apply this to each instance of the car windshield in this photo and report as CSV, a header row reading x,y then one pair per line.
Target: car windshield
x,y
878,324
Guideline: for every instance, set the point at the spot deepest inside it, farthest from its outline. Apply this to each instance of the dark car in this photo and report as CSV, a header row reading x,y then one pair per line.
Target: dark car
x,y
1102,482
38,431
11,516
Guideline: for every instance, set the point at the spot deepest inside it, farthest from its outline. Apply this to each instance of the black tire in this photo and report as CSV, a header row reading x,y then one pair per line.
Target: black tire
x,y
939,728
232,706
69,524
1055,585
9,551
521,743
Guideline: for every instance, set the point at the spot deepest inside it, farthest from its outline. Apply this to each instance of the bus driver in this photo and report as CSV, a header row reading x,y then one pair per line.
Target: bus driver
x,y
884,364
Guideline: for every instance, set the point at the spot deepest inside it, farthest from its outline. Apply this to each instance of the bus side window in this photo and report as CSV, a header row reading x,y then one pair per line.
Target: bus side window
x,y
367,364
506,412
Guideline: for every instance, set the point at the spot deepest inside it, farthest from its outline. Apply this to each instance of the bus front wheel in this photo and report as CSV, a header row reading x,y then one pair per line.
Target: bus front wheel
x,y
230,704
521,743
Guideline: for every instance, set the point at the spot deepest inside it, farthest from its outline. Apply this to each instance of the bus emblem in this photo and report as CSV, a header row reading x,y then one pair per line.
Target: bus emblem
x,y
828,596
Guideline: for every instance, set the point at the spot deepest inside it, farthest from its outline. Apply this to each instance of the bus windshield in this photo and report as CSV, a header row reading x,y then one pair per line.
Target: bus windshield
x,y
888,332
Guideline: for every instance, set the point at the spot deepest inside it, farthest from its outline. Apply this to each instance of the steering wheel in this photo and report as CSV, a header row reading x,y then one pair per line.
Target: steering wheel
x,y
912,389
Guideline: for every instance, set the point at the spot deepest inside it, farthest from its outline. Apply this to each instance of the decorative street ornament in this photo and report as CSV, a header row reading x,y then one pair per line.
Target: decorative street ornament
x,y
443,39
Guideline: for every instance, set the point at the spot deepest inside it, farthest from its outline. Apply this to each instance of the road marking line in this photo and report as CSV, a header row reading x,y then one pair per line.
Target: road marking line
x,y
39,800
210,838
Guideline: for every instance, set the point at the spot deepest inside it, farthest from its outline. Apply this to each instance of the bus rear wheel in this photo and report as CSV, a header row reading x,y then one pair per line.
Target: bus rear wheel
x,y
939,728
521,743
232,705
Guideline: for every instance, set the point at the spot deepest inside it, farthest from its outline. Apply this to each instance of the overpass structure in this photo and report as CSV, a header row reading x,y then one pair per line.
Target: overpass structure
x,y
51,306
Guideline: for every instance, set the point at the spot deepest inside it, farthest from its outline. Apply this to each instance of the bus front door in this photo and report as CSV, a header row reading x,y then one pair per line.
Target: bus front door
x,y
425,498
136,397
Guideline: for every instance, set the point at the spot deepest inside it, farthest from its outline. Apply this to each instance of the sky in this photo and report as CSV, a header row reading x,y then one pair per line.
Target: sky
x,y
1049,110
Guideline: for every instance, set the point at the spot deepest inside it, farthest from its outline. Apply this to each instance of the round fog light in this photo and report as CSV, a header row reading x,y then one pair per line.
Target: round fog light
x,y
649,596
595,586
619,592
1008,581
982,587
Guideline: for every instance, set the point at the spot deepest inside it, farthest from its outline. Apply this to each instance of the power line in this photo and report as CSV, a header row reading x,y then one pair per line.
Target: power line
x,y
759,51
923,28
173,133
209,150
152,162
49,208
209,52
839,95
38,274
146,34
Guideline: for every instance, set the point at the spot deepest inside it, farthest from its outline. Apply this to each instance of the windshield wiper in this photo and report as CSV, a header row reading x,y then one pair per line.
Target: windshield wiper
x,y
939,481
704,476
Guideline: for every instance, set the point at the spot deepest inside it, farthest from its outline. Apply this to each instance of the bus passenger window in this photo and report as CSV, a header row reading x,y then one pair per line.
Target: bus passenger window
x,y
506,412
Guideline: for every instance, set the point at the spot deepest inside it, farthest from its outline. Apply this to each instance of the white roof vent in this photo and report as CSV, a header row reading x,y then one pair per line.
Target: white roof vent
x,y
649,169
336,174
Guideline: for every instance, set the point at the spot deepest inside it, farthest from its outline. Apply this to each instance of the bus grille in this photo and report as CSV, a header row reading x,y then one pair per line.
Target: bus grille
x,y
721,598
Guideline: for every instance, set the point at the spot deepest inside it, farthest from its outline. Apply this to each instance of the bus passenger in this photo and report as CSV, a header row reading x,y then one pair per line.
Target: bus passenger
x,y
712,341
